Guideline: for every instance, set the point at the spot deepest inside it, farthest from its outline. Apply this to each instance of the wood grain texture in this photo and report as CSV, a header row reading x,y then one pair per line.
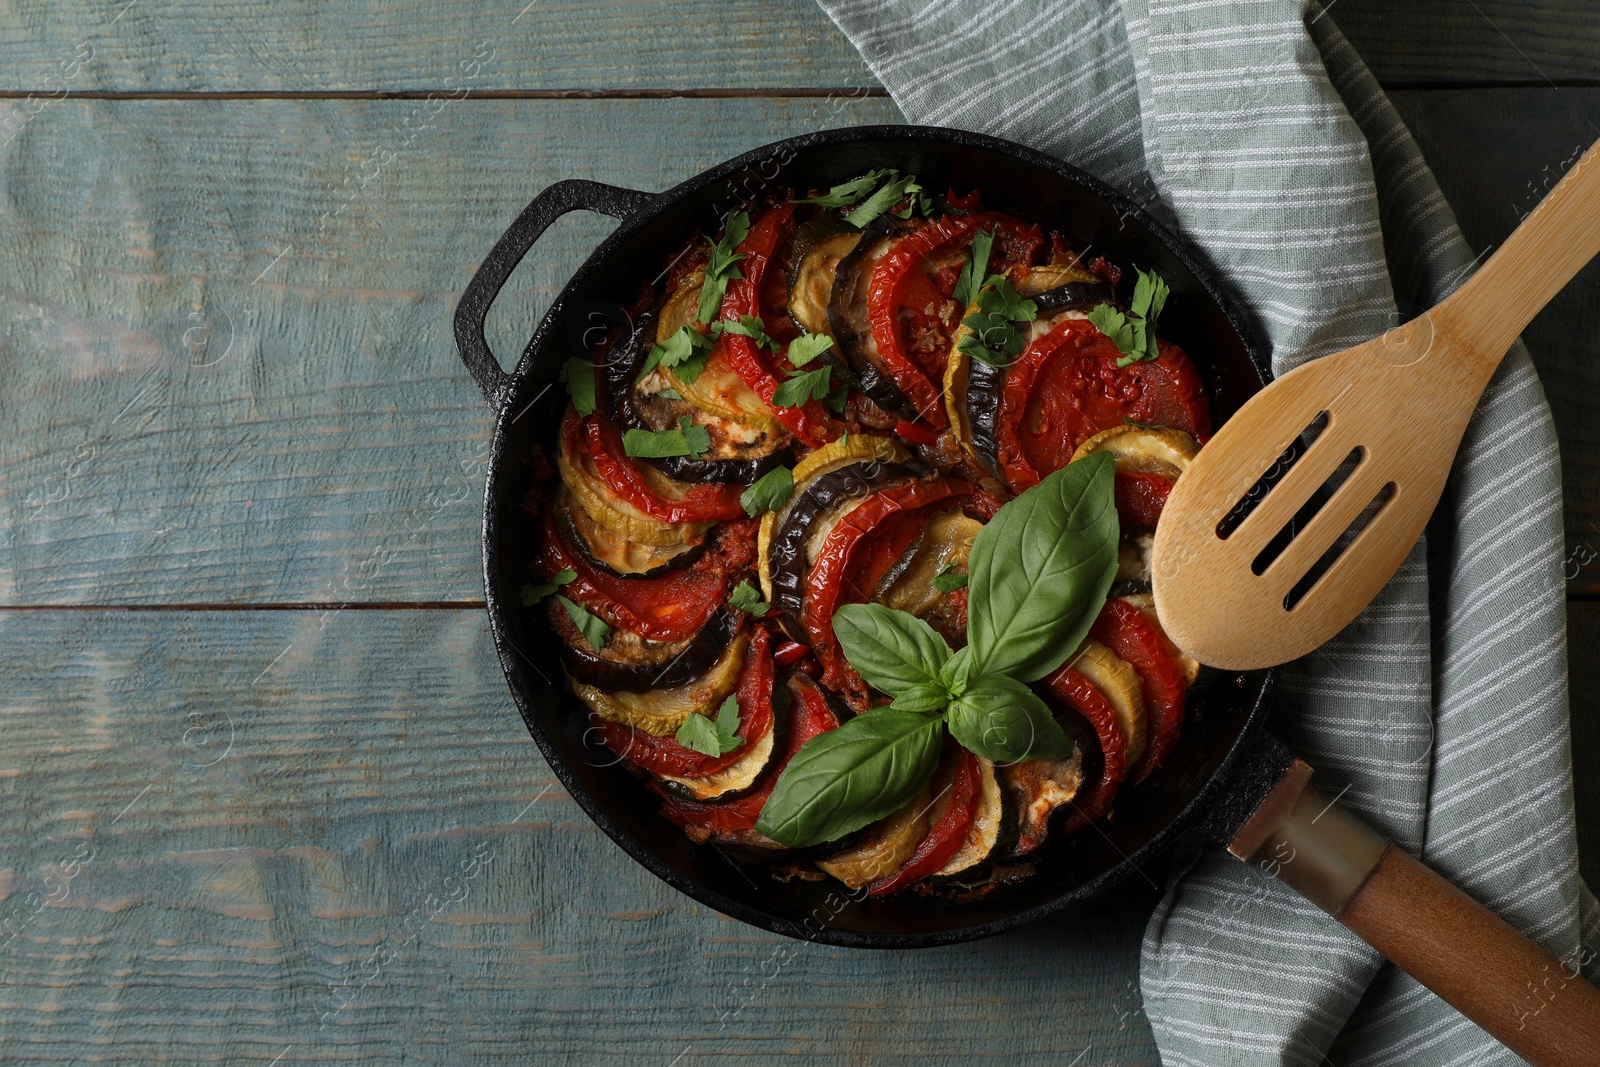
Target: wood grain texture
x,y
370,45
1496,153
325,422
221,825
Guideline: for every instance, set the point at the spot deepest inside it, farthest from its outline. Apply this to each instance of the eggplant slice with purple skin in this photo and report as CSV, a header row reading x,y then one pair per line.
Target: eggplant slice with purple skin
x,y
985,383
627,663
621,370
847,317
822,498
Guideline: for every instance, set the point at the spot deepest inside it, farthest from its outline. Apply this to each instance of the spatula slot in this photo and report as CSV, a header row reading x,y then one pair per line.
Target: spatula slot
x,y
1374,507
1274,474
1307,512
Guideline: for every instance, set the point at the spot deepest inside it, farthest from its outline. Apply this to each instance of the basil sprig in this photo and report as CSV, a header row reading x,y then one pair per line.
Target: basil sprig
x,y
1134,334
1037,576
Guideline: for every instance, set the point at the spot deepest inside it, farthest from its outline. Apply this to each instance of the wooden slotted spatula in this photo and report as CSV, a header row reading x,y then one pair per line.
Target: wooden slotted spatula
x,y
1249,571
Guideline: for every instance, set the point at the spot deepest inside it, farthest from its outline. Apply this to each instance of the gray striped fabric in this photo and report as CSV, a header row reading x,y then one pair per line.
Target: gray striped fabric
x,y
1254,129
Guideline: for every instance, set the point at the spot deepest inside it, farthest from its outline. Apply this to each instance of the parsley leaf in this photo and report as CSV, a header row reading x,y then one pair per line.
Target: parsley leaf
x,y
949,580
1134,333
745,597
749,326
532,594
769,492
836,400
687,439
974,274
579,376
721,267
994,333
802,386
685,353
807,347
593,628
669,394
850,192
1127,421
713,739
884,199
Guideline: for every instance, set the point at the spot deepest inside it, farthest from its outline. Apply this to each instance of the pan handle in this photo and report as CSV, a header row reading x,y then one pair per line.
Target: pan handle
x,y
1537,1006
560,198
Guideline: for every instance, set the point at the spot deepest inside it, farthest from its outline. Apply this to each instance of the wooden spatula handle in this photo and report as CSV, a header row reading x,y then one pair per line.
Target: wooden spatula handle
x,y
1553,243
1534,1004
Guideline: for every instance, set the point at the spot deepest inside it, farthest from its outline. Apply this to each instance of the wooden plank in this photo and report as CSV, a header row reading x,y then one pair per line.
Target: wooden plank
x,y
1583,689
1495,152
325,420
373,45
216,828
1533,42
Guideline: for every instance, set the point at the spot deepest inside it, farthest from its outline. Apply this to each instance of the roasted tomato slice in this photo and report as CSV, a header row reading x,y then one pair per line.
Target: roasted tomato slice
x,y
949,827
1140,496
1066,386
672,607
1084,700
810,421
649,490
881,551
836,559
1122,628
809,716
663,755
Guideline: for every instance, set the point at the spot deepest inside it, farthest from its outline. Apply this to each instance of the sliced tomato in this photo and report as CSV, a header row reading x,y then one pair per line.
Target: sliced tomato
x,y
673,607
663,755
1140,496
810,421
809,716
1122,628
836,559
918,433
699,503
879,552
1090,709
1066,386
949,828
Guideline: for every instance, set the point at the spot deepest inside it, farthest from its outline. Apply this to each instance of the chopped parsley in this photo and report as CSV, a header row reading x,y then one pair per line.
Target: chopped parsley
x,y
1134,333
746,597
994,335
722,266
713,738
949,580
876,192
684,353
593,628
686,439
807,347
532,594
579,376
749,326
769,492
802,386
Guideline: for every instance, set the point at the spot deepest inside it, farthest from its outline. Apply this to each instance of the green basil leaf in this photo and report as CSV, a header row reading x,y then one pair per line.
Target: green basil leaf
x,y
769,492
975,271
1003,720
923,697
746,598
893,650
1040,569
687,439
956,670
532,594
800,387
579,376
807,347
844,779
949,580
593,628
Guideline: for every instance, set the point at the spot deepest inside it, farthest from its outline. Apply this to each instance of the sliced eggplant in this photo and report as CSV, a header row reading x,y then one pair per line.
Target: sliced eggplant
x,y
1037,789
1119,683
744,775
822,503
629,663
989,838
884,846
848,322
613,554
591,493
662,710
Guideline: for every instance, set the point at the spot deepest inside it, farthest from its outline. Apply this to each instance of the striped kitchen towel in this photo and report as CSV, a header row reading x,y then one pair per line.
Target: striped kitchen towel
x,y
1253,129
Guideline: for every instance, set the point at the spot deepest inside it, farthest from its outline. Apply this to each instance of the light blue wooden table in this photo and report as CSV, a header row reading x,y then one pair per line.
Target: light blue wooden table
x,y
263,796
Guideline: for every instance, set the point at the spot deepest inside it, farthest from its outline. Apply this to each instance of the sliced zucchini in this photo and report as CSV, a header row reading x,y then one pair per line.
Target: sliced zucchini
x,y
1119,683
1186,663
994,825
615,514
744,775
1143,449
819,246
663,711
610,551
946,542
1038,789
884,846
